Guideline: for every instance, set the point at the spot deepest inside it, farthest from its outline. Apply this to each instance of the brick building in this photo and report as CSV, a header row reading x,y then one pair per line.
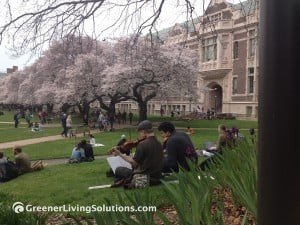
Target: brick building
x,y
226,40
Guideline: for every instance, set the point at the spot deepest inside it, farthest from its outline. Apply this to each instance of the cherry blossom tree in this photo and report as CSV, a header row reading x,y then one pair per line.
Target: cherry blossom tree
x,y
83,82
148,70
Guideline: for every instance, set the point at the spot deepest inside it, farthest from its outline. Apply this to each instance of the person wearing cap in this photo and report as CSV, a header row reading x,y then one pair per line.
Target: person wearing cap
x,y
179,148
147,162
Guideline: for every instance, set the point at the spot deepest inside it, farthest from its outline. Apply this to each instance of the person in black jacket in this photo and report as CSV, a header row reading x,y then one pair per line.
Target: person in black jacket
x,y
179,148
63,120
88,150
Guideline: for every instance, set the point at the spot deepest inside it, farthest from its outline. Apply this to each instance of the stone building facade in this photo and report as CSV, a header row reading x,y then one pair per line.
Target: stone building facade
x,y
226,38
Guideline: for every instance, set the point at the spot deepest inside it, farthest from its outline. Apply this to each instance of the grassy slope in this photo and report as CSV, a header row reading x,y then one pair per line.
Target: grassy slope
x,y
63,184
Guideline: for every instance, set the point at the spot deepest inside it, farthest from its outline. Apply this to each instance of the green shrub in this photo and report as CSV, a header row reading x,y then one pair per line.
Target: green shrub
x,y
236,169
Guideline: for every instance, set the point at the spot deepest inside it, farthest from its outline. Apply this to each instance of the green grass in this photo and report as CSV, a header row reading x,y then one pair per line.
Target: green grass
x,y
242,124
15,134
63,148
7,117
68,184
215,123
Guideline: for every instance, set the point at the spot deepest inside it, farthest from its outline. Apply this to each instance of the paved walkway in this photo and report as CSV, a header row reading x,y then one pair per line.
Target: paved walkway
x,y
25,142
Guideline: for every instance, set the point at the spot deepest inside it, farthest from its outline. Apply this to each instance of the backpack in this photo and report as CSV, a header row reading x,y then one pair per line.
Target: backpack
x,y
8,171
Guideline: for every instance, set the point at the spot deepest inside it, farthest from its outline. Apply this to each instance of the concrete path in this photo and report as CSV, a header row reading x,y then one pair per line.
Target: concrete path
x,y
25,142
11,144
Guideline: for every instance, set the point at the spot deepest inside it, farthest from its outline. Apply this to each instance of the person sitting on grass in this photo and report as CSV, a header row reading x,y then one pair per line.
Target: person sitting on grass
x,y
77,154
190,131
23,163
179,148
224,142
147,162
37,127
88,151
92,140
252,135
3,159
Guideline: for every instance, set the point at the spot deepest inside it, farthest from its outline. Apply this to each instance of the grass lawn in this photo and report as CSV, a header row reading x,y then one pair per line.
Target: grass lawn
x,y
241,124
68,184
63,148
15,134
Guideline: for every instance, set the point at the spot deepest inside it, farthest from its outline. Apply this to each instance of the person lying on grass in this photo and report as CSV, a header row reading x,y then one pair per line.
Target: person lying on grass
x,y
147,162
23,163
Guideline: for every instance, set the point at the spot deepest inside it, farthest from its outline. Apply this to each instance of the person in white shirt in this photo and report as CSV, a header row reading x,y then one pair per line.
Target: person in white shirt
x,y
92,140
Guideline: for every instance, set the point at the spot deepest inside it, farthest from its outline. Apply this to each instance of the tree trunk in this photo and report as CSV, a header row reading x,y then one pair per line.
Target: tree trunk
x,y
65,107
84,112
142,110
50,108
112,108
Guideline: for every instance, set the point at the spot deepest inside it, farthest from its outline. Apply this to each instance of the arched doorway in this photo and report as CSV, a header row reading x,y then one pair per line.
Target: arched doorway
x,y
214,97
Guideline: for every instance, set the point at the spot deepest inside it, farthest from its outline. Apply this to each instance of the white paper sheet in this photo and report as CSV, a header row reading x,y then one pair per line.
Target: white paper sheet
x,y
98,145
117,161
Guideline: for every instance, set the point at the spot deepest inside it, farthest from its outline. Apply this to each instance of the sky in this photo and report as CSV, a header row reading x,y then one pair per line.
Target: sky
x,y
167,19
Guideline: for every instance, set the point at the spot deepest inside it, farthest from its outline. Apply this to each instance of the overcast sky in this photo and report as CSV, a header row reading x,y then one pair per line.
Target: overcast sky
x,y
167,19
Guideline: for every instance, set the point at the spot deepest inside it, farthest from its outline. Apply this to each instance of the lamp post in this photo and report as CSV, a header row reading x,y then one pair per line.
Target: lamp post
x,y
190,100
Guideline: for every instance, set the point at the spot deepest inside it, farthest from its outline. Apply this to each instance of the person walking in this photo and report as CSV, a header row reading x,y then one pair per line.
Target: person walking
x,y
16,119
63,120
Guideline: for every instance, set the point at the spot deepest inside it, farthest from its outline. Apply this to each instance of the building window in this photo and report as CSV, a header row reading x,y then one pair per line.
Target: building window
x,y
209,49
250,80
234,85
235,49
252,43
248,111
216,17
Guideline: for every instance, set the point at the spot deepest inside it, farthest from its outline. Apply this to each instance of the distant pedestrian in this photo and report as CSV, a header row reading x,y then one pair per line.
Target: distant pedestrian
x,y
130,116
63,120
69,125
28,117
162,112
119,117
172,113
16,119
124,117
111,119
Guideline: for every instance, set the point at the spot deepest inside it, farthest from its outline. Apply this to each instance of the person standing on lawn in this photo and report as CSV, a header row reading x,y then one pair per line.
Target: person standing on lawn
x,y
16,119
130,116
124,117
28,117
63,120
